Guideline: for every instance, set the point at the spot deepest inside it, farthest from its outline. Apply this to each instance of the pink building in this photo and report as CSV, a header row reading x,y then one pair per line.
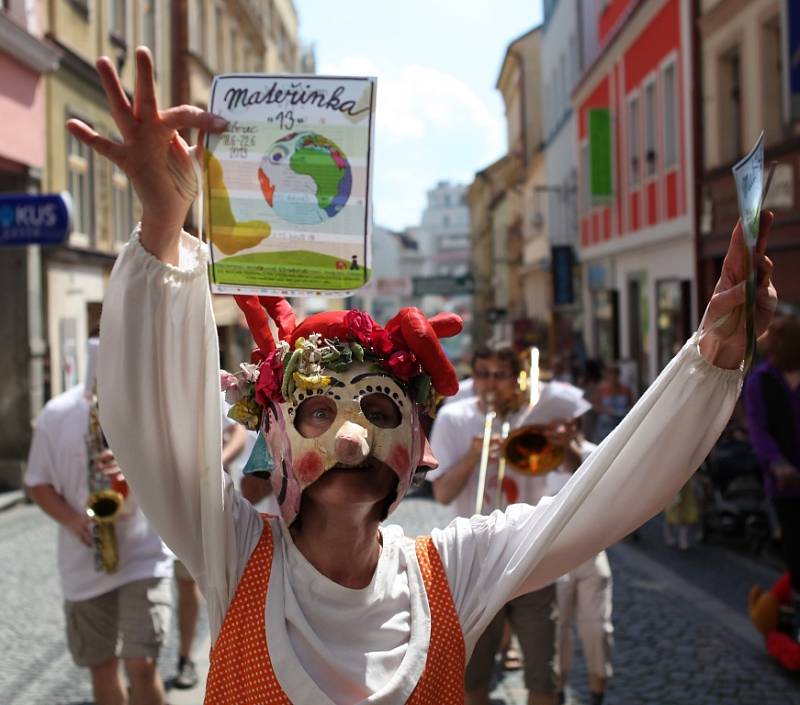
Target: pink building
x,y
24,59
635,192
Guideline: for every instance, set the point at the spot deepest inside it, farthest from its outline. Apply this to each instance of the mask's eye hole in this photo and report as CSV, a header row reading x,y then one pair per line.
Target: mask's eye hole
x,y
314,416
380,410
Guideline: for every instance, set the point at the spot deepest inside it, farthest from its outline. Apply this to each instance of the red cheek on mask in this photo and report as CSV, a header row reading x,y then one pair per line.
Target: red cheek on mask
x,y
308,468
399,458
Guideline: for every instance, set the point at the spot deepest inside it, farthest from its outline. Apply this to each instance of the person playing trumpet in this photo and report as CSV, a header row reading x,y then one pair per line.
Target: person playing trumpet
x,y
458,443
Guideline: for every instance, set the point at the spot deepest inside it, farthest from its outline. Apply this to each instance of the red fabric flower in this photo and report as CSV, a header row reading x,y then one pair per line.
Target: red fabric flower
x,y
403,365
380,343
270,378
360,325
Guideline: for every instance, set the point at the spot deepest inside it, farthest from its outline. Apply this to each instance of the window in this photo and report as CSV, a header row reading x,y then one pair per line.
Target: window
x,y
673,298
198,28
118,24
122,196
772,80
80,184
586,199
730,106
219,26
670,117
633,141
650,128
149,28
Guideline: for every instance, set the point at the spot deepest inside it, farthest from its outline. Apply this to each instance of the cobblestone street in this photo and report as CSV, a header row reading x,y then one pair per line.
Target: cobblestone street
x,y
676,641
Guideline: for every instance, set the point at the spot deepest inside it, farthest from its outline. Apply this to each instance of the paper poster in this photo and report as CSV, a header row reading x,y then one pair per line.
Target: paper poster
x,y
288,184
749,176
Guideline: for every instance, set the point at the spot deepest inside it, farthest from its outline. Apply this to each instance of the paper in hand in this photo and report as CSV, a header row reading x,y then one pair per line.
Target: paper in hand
x,y
558,400
750,192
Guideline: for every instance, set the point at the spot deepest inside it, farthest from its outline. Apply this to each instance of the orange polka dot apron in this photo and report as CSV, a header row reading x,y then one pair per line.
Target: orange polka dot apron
x,y
241,670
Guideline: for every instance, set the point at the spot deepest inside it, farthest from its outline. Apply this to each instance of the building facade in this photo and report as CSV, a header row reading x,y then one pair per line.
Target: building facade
x,y
25,59
635,143
750,82
509,263
562,62
213,37
104,205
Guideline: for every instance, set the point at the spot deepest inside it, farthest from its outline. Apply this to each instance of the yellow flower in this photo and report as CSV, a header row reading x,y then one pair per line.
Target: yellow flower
x,y
310,381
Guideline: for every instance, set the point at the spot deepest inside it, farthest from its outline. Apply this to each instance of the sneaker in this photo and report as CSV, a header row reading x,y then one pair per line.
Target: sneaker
x,y
187,675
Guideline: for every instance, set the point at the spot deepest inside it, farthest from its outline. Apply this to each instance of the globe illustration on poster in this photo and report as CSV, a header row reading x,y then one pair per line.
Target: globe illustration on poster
x,y
305,178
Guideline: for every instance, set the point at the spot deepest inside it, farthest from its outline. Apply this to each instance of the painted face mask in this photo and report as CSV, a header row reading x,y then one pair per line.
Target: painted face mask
x,y
339,390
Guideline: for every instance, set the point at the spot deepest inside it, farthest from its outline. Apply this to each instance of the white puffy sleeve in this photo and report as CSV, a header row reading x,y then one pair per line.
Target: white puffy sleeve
x,y
631,476
158,394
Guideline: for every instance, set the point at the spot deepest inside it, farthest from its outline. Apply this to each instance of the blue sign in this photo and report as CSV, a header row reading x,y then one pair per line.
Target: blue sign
x,y
562,260
34,219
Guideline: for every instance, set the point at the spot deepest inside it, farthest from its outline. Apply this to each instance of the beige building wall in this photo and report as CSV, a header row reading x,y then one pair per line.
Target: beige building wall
x,y
75,275
740,37
226,36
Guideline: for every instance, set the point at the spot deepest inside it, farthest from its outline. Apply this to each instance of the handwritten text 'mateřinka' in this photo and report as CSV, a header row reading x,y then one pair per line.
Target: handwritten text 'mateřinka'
x,y
295,94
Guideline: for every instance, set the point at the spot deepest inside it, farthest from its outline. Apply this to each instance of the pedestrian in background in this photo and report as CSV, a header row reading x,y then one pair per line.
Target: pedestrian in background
x,y
457,443
584,595
132,605
681,514
772,400
612,400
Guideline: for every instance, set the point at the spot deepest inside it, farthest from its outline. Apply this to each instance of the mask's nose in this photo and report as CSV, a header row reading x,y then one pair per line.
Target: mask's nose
x,y
351,446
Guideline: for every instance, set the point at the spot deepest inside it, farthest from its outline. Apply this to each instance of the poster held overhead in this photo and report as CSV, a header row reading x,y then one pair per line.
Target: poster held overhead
x,y
287,186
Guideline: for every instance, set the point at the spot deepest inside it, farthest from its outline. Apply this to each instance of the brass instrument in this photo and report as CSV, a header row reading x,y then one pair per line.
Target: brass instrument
x,y
488,422
527,449
505,429
105,502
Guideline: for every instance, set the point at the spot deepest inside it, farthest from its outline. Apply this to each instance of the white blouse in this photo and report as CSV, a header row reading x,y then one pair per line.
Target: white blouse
x,y
158,383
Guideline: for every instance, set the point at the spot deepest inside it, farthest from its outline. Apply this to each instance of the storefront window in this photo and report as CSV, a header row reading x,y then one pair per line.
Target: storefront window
x,y
606,325
674,313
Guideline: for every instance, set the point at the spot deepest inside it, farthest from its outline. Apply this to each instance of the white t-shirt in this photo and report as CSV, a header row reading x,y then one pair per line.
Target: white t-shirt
x,y
58,457
455,427
153,313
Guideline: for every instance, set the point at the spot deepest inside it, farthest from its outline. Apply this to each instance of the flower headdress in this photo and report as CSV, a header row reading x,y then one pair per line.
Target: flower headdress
x,y
408,348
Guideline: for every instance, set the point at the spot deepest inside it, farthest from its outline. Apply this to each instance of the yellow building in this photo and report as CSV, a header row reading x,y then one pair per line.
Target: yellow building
x,y
510,249
75,275
225,36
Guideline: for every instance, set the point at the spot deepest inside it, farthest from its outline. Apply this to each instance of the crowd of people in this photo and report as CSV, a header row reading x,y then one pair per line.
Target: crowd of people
x,y
320,599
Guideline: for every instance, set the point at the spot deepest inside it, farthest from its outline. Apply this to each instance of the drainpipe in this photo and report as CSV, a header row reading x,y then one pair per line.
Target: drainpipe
x,y
696,96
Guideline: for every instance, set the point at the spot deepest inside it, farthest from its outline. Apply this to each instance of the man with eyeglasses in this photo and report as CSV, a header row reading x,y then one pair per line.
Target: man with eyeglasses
x,y
457,441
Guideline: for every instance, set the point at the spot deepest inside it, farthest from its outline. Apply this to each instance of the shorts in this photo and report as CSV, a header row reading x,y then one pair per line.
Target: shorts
x,y
129,622
181,573
533,618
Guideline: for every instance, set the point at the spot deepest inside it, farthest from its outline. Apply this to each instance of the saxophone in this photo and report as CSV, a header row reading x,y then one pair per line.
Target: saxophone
x,y
106,498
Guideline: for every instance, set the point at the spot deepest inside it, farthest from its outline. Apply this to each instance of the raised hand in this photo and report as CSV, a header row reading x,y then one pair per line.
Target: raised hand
x,y
722,339
156,159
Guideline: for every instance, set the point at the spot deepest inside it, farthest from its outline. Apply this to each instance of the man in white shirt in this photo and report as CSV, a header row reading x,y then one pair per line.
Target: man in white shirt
x,y
133,604
457,442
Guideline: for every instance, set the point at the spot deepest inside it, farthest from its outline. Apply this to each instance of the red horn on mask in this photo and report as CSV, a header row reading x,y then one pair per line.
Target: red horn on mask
x,y
256,308
422,337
